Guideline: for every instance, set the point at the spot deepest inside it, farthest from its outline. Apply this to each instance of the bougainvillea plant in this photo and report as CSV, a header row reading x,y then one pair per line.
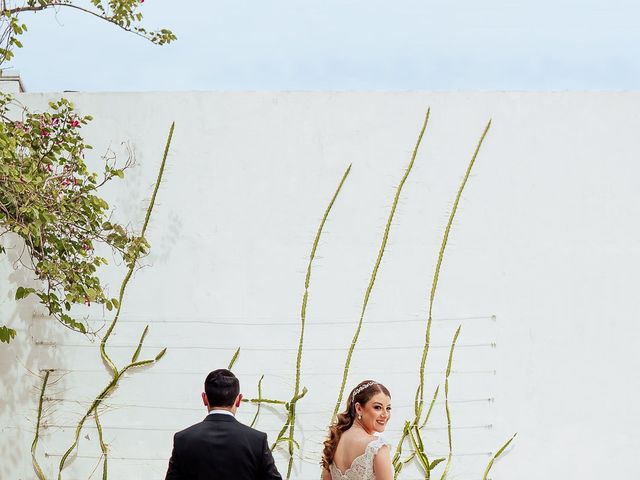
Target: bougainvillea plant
x,y
50,199
47,195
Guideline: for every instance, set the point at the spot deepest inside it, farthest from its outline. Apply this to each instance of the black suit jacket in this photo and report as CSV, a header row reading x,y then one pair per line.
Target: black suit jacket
x,y
221,448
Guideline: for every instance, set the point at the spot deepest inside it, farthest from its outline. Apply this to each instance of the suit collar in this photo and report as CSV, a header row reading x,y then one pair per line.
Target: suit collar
x,y
220,418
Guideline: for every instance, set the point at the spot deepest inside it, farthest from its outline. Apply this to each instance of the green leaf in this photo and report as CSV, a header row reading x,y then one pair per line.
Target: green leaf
x,y
20,293
72,324
23,292
6,334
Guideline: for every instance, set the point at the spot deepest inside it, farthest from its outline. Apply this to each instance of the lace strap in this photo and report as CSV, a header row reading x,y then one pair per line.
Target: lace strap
x,y
377,444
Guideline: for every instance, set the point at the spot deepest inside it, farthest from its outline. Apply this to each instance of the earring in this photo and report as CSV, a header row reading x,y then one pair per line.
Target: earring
x,y
359,417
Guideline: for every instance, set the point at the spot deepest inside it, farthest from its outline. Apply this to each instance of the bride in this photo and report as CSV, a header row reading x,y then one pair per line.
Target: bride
x,y
352,451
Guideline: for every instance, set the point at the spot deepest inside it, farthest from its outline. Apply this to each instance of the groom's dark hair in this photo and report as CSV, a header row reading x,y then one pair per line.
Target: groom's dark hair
x,y
222,387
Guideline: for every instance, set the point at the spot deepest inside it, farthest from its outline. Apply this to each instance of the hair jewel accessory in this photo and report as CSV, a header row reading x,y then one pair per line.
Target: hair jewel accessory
x,y
361,388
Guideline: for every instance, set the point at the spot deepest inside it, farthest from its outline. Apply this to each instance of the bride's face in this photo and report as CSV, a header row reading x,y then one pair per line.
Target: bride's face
x,y
375,413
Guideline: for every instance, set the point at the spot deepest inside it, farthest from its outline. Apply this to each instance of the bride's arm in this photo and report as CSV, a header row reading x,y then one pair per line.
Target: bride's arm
x,y
382,464
325,474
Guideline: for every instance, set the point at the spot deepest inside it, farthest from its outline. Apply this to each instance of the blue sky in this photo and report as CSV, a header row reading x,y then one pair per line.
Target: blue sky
x,y
343,45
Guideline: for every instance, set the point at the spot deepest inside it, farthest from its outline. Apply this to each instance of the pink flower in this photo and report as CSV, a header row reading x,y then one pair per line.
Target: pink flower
x,y
44,132
75,123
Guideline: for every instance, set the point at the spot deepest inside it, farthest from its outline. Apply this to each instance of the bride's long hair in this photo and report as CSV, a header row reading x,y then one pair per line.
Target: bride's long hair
x,y
346,418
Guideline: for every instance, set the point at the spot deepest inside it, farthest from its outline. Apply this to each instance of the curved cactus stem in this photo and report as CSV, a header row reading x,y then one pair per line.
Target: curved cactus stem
x,y
372,279
436,273
34,444
103,446
433,401
496,455
418,449
297,395
419,395
396,461
446,405
132,265
136,354
233,360
255,417
265,400
106,391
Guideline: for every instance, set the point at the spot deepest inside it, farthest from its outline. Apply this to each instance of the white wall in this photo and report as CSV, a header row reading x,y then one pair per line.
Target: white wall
x,y
542,262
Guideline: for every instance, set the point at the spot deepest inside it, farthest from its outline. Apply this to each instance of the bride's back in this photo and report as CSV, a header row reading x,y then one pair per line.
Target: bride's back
x,y
353,444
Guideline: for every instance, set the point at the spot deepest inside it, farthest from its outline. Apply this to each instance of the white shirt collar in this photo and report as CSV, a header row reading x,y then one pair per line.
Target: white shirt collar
x,y
221,412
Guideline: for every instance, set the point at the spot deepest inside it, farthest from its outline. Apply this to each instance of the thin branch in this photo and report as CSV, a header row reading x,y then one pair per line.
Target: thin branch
x,y
17,10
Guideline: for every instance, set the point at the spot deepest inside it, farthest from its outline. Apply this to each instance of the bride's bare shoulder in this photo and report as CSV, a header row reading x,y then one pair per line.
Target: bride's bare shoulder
x,y
357,438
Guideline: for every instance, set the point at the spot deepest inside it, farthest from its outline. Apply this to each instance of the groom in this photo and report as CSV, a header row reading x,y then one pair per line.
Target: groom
x,y
220,447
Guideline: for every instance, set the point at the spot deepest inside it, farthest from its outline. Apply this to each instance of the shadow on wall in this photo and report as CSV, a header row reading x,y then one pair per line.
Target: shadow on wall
x,y
22,357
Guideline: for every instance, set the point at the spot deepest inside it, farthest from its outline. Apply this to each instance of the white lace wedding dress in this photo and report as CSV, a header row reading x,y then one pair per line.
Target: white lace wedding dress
x,y
362,466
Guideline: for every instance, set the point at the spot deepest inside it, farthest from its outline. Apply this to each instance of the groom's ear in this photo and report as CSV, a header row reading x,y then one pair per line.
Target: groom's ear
x,y
205,400
238,400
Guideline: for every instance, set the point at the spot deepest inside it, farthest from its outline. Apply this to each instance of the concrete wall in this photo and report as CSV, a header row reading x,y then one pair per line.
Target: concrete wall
x,y
540,271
